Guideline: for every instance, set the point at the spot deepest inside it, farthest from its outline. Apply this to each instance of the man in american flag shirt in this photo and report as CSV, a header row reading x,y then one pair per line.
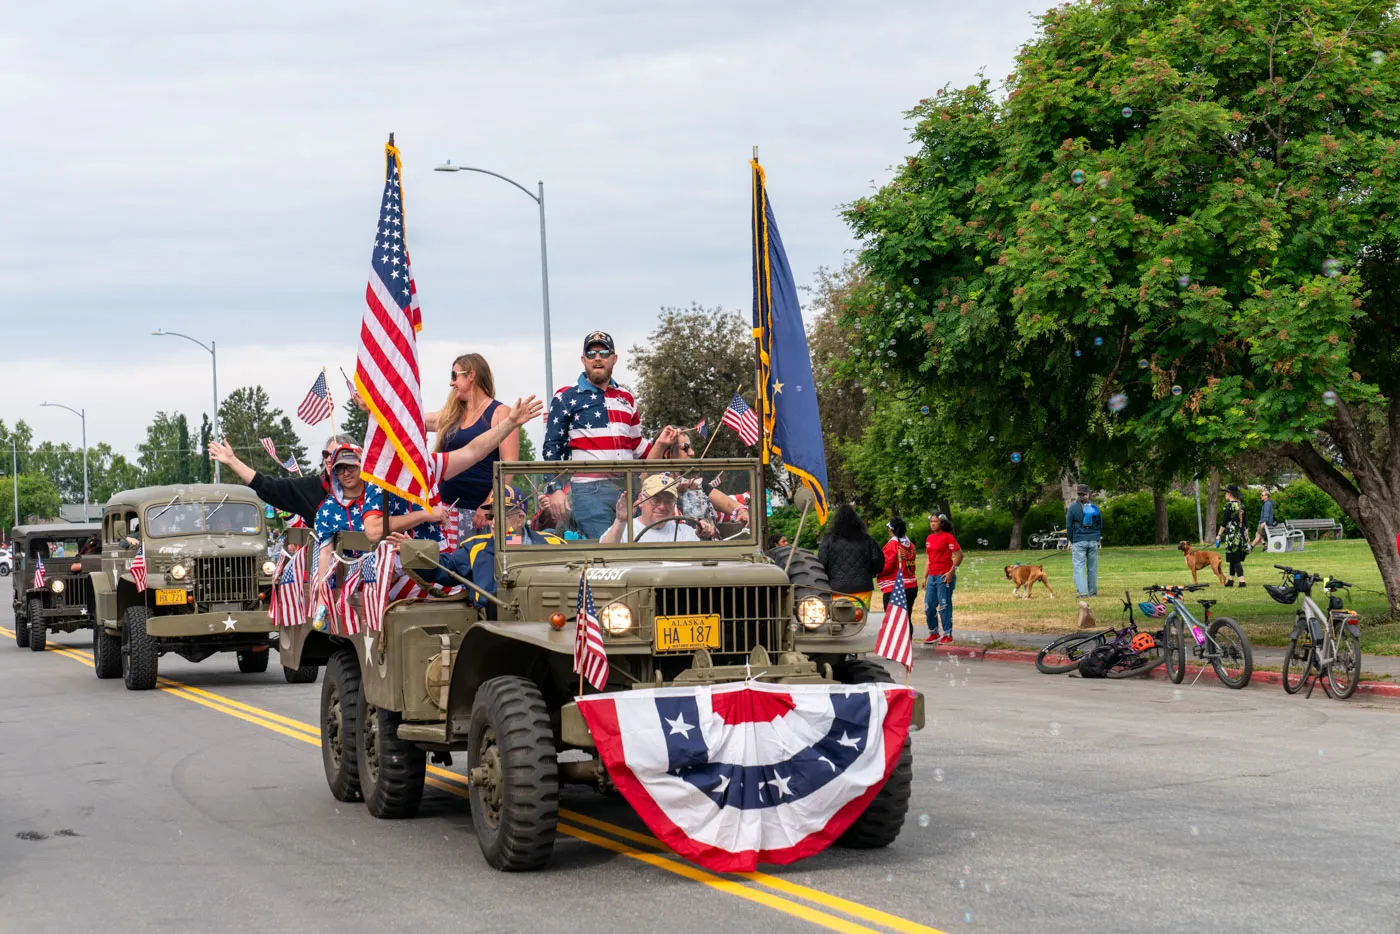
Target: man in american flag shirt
x,y
596,419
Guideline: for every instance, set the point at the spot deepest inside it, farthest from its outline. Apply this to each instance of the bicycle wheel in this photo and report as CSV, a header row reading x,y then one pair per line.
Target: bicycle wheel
x,y
1174,648
1234,660
1297,663
1065,653
1345,671
1139,664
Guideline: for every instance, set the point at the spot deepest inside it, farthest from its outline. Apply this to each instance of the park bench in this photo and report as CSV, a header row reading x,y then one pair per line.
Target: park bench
x,y
1315,526
1281,539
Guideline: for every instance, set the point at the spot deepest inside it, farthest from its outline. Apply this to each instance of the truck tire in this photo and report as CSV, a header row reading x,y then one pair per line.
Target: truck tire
x,y
106,653
340,729
38,636
514,774
306,674
391,770
252,663
21,630
140,657
806,573
884,816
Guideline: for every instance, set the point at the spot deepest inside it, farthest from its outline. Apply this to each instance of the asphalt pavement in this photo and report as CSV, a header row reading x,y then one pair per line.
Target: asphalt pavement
x,y
1040,804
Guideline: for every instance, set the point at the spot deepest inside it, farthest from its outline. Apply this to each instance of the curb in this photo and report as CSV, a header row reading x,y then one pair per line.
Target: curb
x,y
1370,688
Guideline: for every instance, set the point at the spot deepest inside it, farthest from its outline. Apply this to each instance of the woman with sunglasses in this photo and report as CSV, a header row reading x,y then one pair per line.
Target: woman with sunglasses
x,y
471,410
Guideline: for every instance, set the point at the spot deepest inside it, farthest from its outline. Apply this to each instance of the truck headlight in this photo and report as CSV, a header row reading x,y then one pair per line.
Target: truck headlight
x,y
811,612
267,568
57,586
616,618
178,571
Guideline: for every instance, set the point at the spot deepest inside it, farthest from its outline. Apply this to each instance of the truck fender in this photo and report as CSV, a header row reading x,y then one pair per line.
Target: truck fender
x,y
529,650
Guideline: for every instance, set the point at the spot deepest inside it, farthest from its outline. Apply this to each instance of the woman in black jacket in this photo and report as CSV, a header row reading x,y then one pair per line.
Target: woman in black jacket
x,y
851,557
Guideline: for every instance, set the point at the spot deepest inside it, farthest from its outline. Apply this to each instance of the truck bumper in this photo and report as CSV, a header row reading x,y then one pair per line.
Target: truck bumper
x,y
187,625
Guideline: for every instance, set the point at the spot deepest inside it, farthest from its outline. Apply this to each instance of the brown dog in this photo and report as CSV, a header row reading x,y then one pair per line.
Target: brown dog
x,y
1195,560
1026,575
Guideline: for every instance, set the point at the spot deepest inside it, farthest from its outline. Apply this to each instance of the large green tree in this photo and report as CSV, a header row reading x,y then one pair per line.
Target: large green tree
x,y
246,416
1180,220
38,500
167,455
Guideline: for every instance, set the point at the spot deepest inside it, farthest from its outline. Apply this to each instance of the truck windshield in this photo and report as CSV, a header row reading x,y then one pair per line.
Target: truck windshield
x,y
204,518
655,503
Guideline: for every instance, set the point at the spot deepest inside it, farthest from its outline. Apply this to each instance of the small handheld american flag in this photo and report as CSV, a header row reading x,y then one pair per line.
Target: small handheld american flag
x,y
742,419
317,405
290,464
288,607
896,640
137,568
590,657
39,574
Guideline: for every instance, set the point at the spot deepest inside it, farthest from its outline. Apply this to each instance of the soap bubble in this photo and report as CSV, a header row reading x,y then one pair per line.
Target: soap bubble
x,y
916,281
923,820
1015,457
1093,218
1329,398
1127,112
983,542
968,917
992,438
1143,364
1176,390
1103,181
1054,729
1183,281
1098,341
924,410
893,342
1195,831
1077,176
1078,352
1377,57
1331,268
938,775
1118,402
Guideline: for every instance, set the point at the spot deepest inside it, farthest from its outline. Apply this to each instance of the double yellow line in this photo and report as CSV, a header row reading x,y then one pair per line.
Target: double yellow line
x,y
757,887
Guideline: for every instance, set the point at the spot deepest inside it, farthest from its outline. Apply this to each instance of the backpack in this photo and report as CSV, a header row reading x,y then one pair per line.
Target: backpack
x,y
1092,518
1098,662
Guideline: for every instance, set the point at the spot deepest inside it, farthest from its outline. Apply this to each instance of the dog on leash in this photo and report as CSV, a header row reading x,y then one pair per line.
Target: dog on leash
x,y
1195,560
1025,576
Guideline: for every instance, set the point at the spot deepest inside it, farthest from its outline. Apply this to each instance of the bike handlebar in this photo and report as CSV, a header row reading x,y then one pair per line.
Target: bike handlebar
x,y
1174,588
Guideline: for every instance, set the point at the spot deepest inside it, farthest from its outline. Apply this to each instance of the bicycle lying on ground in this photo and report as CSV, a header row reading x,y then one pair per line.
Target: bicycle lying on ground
x,y
1222,642
1121,653
1055,538
1321,644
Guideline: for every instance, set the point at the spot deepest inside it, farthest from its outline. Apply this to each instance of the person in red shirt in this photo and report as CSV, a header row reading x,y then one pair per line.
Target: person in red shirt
x,y
944,556
899,559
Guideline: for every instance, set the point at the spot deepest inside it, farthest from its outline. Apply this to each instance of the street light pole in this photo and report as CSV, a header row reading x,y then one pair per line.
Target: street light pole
x,y
544,262
214,359
14,471
82,414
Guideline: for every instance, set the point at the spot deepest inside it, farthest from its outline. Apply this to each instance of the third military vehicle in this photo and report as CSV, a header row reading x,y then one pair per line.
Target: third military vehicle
x,y
207,580
682,599
62,601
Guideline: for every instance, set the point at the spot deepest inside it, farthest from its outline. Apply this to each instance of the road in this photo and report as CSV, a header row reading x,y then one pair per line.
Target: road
x,y
1040,804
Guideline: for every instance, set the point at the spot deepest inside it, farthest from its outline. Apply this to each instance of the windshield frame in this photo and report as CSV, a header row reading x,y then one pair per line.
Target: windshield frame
x,y
207,508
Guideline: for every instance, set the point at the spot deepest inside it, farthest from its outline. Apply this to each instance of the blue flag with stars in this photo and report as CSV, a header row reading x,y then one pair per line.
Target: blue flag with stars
x,y
791,424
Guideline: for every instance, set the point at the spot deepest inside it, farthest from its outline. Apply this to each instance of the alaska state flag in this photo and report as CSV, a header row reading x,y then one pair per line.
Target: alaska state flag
x,y
786,393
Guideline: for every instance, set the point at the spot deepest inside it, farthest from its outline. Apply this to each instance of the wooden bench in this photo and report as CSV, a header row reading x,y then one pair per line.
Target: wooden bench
x,y
1315,526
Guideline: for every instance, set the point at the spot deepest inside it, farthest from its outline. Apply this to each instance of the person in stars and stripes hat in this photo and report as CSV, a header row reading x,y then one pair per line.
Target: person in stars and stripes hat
x,y
300,495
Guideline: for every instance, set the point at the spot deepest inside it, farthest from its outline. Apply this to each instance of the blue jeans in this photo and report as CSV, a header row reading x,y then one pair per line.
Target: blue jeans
x,y
938,596
595,506
1085,556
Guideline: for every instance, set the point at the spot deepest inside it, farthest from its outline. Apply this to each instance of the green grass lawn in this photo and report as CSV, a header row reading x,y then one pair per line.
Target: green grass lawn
x,y
983,598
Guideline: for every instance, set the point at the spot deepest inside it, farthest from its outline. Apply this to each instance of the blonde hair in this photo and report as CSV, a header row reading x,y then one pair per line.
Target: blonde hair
x,y
449,418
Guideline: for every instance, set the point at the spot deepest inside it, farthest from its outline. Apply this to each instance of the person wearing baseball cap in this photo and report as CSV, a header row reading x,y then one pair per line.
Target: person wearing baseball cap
x,y
596,419
657,507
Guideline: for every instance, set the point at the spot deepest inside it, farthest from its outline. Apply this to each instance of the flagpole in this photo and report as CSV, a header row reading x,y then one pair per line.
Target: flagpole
x,y
330,400
715,434
757,327
579,622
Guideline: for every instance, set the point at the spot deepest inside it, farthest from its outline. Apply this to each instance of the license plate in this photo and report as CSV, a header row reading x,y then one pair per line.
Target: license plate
x,y
687,633
170,598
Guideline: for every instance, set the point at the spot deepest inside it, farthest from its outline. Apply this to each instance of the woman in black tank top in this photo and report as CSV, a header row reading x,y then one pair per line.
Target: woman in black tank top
x,y
470,410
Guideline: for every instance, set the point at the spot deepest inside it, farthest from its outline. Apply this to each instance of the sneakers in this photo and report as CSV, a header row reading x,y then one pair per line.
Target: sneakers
x,y
1229,583
1243,584
932,639
945,640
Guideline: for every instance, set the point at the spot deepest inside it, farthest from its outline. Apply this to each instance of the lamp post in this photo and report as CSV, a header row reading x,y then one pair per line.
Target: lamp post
x,y
214,359
544,262
14,471
82,414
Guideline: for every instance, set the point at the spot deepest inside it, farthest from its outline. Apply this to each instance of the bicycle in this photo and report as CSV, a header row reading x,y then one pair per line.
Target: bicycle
x,y
1056,538
1329,643
1075,647
1222,642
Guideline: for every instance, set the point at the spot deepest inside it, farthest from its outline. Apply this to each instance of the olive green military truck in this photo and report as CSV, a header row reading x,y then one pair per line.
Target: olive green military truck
x,y
682,597
63,601
207,580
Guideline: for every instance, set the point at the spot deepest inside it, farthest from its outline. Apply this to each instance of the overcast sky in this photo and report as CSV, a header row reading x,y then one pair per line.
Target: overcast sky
x,y
216,169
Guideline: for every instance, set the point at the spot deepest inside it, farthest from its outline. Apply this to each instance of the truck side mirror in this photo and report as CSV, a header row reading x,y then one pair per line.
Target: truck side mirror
x,y
419,554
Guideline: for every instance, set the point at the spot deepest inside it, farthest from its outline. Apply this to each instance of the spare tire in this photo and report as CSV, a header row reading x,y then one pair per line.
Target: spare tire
x,y
806,573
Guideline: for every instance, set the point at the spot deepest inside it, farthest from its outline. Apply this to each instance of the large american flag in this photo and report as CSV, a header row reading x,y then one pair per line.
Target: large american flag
x,y
317,405
590,657
288,605
39,574
386,373
137,568
290,464
742,419
896,640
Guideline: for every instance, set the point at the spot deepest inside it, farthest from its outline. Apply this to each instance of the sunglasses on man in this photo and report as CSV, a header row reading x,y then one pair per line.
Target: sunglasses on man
x,y
598,354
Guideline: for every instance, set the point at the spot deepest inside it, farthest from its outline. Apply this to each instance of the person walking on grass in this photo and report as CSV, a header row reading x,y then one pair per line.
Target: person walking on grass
x,y
944,556
851,557
1266,520
1084,528
1234,533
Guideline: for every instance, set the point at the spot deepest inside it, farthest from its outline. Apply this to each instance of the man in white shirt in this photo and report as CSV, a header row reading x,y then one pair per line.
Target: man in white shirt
x,y
657,508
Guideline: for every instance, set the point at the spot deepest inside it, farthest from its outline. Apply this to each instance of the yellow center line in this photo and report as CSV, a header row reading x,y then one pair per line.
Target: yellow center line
x,y
456,784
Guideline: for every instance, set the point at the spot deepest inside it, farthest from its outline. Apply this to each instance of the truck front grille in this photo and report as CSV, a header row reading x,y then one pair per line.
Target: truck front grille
x,y
225,580
76,589
748,616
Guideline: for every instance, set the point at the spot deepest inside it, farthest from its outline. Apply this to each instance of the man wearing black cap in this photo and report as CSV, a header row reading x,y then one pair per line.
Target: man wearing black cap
x,y
596,419
1084,528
